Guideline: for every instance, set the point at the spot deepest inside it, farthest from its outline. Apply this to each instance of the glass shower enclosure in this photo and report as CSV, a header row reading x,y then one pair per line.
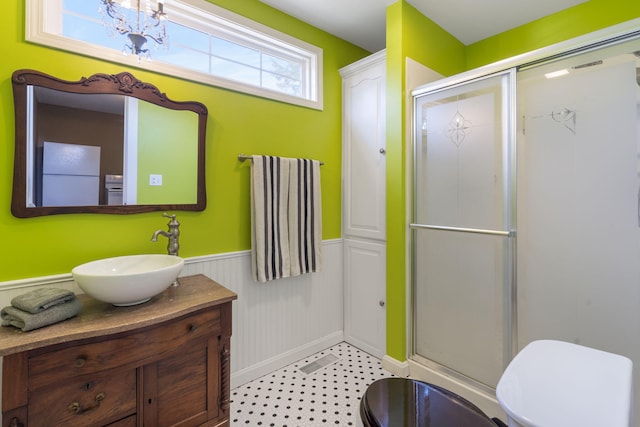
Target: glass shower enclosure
x,y
549,152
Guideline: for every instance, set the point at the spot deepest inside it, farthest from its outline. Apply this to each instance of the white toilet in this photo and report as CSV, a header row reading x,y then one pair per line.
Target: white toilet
x,y
559,384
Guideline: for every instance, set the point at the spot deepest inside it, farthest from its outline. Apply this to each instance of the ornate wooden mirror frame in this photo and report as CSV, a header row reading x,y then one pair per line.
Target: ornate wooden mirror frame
x,y
120,84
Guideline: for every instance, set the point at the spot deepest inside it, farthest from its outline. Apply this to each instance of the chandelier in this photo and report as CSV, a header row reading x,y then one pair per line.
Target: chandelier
x,y
138,20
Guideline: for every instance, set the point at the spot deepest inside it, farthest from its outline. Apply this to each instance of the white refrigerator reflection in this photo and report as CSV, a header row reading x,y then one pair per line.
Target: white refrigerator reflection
x,y
70,174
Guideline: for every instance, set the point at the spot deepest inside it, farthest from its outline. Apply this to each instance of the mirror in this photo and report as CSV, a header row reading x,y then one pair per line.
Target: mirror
x,y
104,144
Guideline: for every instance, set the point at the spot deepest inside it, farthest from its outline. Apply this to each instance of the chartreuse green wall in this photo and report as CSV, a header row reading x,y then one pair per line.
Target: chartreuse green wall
x,y
410,34
237,123
159,130
582,19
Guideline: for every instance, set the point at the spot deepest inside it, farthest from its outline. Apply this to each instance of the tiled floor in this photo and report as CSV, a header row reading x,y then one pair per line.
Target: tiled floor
x,y
289,397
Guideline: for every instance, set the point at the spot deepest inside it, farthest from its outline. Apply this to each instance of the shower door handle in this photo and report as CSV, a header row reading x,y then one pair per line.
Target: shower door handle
x,y
511,233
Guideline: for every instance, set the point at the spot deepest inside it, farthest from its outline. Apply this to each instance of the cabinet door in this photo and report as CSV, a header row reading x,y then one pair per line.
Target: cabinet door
x,y
365,283
364,152
182,389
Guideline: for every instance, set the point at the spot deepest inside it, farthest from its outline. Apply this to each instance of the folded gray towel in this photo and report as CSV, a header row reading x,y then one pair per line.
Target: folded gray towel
x,y
42,299
12,316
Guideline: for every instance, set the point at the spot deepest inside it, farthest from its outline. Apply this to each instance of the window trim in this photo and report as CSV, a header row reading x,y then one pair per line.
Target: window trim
x,y
36,32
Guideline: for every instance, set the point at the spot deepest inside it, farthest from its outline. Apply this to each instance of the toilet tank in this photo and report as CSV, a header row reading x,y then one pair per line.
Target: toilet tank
x,y
559,384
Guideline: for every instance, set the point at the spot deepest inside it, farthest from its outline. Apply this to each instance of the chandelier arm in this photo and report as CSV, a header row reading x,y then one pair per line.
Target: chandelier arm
x,y
113,11
158,40
123,28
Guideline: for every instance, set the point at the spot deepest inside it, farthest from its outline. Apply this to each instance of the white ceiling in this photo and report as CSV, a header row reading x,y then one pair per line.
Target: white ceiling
x,y
362,22
102,102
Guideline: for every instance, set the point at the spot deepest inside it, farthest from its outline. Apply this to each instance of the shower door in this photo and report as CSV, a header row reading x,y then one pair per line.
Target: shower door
x,y
462,228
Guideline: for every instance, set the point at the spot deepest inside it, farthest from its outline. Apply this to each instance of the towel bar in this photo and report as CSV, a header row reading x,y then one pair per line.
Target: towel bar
x,y
243,157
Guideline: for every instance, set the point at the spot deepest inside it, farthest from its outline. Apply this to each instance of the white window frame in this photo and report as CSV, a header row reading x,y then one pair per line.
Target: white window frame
x,y
43,28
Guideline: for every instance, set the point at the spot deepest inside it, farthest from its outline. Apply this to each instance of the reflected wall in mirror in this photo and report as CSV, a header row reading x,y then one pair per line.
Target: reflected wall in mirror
x,y
104,144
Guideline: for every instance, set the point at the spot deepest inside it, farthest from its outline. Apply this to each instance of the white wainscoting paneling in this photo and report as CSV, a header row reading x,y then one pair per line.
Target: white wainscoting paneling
x,y
279,322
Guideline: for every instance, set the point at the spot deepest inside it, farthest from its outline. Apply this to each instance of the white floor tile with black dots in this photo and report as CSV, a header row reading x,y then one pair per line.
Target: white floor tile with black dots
x,y
329,394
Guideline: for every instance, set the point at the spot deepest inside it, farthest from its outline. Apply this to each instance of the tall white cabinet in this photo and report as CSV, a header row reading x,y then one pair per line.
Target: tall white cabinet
x,y
364,203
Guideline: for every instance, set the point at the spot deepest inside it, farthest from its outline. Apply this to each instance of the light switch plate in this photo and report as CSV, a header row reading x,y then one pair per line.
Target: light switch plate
x,y
155,180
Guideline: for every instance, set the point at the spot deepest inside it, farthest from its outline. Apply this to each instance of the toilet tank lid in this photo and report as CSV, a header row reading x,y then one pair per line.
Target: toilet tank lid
x,y
554,383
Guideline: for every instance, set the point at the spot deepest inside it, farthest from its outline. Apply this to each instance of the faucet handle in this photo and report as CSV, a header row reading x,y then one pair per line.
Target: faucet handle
x,y
174,222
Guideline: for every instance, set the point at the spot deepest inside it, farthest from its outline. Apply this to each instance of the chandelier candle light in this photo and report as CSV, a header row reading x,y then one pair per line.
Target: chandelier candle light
x,y
139,21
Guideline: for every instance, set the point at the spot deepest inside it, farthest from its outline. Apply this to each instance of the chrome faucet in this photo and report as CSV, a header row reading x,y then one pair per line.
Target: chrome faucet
x,y
172,235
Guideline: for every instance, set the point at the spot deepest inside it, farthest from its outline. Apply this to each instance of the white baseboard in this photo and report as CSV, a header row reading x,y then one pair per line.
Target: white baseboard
x,y
397,368
257,370
361,345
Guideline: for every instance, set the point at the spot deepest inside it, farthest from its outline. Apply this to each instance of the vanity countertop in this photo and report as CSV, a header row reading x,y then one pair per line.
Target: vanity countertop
x,y
99,319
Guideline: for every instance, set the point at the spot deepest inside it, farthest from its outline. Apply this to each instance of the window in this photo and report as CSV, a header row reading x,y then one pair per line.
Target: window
x,y
206,44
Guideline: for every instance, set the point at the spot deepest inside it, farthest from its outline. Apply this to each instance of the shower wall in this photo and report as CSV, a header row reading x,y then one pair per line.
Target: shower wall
x,y
577,217
578,201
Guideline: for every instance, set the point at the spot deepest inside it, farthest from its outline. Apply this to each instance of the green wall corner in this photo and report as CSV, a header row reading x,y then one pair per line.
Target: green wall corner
x,y
409,34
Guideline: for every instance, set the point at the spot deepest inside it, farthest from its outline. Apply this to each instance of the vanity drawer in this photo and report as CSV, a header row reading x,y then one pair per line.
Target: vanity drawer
x,y
133,349
90,400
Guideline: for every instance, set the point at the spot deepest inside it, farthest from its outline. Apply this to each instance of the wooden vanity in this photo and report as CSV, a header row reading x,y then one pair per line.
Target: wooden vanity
x,y
161,363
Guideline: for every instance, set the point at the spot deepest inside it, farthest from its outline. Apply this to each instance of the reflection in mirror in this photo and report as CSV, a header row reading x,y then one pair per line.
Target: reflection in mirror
x,y
108,144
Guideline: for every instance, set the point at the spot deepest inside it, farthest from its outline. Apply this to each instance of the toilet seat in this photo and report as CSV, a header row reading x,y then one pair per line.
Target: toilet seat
x,y
398,402
556,384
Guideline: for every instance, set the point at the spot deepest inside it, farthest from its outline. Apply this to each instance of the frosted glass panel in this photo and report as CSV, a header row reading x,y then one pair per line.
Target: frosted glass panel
x,y
579,240
460,158
462,171
459,300
578,203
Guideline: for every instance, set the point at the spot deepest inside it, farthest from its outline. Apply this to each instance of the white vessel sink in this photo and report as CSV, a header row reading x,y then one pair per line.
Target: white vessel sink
x,y
128,280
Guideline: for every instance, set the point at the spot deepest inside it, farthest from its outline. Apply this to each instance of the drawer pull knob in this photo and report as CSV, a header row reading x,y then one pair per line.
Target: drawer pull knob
x,y
79,362
15,422
192,327
75,406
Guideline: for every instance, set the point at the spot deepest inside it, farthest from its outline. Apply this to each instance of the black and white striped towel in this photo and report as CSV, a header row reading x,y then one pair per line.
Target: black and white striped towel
x,y
305,216
286,217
